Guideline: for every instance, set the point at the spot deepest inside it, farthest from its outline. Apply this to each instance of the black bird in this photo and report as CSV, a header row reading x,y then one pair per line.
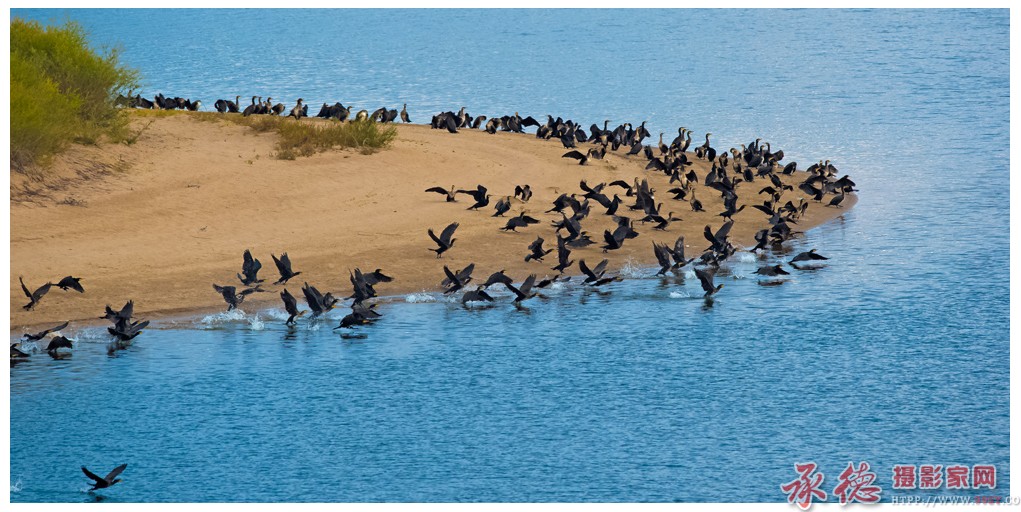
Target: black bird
x,y
477,295
582,158
57,343
17,354
360,315
250,269
40,335
377,276
705,277
232,297
497,277
34,297
118,316
663,256
537,253
445,242
291,306
283,264
808,256
773,271
502,207
525,192
480,195
596,276
616,239
318,302
450,193
125,331
563,255
71,283
678,253
108,480
456,280
521,221
464,276
525,291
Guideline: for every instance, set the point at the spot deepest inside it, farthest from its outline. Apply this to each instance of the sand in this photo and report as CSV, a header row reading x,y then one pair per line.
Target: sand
x,y
159,221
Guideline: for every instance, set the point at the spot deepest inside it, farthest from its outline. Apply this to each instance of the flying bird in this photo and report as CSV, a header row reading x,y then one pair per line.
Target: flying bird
x,y
291,306
283,264
250,269
71,283
34,297
102,482
444,241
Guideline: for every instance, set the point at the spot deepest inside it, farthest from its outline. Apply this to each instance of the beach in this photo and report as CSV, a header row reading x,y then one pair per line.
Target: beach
x,y
159,221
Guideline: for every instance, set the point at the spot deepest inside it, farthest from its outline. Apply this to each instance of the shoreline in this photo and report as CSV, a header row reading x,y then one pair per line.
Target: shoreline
x,y
160,221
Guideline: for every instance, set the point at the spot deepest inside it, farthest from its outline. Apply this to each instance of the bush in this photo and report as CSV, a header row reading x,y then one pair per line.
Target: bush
x,y
61,90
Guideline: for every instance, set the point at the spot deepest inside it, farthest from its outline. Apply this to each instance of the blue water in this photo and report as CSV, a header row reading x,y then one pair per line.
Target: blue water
x,y
896,352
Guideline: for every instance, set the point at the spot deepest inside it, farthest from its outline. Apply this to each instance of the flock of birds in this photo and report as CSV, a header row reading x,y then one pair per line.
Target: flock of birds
x,y
753,162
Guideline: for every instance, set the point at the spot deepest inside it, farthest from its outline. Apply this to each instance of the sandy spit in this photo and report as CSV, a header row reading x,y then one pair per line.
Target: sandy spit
x,y
161,220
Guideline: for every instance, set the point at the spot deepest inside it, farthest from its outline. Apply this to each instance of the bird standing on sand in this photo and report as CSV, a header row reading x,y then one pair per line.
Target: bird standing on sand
x,y
523,192
502,207
521,221
450,193
102,482
444,241
404,114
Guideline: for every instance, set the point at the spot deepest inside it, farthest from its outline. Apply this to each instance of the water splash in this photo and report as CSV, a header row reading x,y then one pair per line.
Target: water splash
x,y
234,315
416,298
631,270
256,324
680,295
17,486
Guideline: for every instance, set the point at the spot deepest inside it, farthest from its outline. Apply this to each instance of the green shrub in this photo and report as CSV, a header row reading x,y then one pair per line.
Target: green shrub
x,y
61,90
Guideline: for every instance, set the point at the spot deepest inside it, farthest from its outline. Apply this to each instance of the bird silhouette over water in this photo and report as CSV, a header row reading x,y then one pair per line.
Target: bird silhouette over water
x,y
705,278
42,334
33,297
102,482
71,283
284,266
234,298
477,295
525,291
56,346
808,256
445,240
291,306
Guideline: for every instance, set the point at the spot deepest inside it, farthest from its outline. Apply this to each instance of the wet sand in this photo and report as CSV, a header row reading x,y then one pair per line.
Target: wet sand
x,y
161,220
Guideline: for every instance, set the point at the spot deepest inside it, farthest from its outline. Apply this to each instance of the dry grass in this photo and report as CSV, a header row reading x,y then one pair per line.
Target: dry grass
x,y
305,137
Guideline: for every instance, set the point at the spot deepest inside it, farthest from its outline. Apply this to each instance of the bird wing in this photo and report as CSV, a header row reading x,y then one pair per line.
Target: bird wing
x,y
705,278
39,292
577,155
433,236
516,291
721,235
447,233
465,273
218,288
290,303
280,264
601,267
526,287
585,270
91,475
438,190
661,254
116,471
24,288
54,329
450,275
